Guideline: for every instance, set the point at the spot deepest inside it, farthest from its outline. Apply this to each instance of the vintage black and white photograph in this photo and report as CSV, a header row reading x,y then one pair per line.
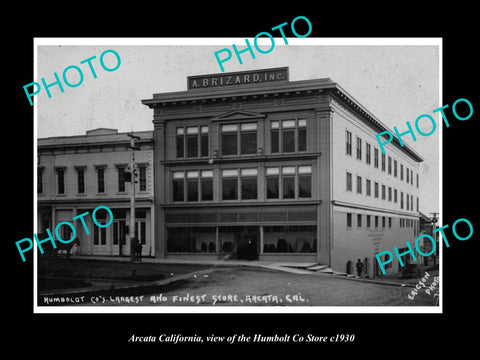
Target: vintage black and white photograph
x,y
179,180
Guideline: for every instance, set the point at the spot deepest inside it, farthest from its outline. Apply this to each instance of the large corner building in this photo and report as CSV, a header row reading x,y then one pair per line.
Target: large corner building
x,y
250,165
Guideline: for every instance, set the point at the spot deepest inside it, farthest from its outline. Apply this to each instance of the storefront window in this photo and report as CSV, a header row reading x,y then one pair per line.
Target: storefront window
x,y
191,240
290,239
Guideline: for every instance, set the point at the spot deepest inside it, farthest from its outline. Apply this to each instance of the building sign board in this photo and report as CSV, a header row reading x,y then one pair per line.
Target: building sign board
x,y
238,78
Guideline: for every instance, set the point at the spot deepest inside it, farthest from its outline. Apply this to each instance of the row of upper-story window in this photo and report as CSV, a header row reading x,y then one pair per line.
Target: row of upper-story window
x,y
388,193
286,136
386,163
100,178
402,222
281,183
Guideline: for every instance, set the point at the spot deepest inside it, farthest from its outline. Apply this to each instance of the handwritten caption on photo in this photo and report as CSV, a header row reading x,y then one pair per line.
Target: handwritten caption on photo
x,y
185,299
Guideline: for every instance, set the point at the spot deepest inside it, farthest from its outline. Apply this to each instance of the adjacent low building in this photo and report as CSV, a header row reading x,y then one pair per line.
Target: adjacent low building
x,y
78,173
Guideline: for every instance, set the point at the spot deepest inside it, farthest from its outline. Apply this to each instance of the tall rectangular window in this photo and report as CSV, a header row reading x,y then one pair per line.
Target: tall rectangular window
x,y
359,220
81,180
348,142
230,139
401,200
192,185
101,179
359,184
383,192
401,172
180,133
61,181
359,148
302,135
204,141
275,136
248,184
407,170
417,180
369,187
273,183
395,195
389,165
40,173
206,185
368,155
349,220
288,182
192,141
178,186
142,177
248,138
383,162
304,181
121,179
375,189
395,168
389,193
288,136
375,157
368,221
230,184
349,181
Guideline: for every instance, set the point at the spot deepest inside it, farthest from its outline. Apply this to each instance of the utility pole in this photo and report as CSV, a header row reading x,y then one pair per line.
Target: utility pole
x,y
132,194
434,226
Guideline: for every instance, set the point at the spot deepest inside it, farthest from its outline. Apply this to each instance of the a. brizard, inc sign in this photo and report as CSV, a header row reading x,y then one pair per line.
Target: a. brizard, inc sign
x,y
237,78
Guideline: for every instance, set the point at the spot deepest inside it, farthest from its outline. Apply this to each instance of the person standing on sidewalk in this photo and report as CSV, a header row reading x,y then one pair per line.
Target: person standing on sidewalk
x,y
359,268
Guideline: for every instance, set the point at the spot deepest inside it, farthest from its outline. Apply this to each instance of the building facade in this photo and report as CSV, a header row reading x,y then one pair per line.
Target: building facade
x,y
75,174
250,165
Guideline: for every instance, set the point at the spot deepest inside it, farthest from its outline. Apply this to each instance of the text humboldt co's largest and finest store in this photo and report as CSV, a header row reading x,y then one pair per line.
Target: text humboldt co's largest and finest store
x,y
250,165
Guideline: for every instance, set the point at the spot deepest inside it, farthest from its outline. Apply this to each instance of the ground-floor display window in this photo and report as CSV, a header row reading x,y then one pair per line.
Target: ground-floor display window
x,y
290,239
191,239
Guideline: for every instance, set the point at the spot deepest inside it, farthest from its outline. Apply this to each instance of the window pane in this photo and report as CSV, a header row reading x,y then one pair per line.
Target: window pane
x,y
207,189
178,190
249,188
229,189
226,128
302,139
81,181
192,190
229,144
288,170
192,146
305,186
288,124
192,130
288,187
248,142
273,171
288,139
204,144
178,175
207,173
192,174
275,141
101,180
232,172
179,146
143,178
61,181
249,126
248,172
272,187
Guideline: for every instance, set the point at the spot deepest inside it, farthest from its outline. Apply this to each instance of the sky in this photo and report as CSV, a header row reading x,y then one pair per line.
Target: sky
x,y
396,80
